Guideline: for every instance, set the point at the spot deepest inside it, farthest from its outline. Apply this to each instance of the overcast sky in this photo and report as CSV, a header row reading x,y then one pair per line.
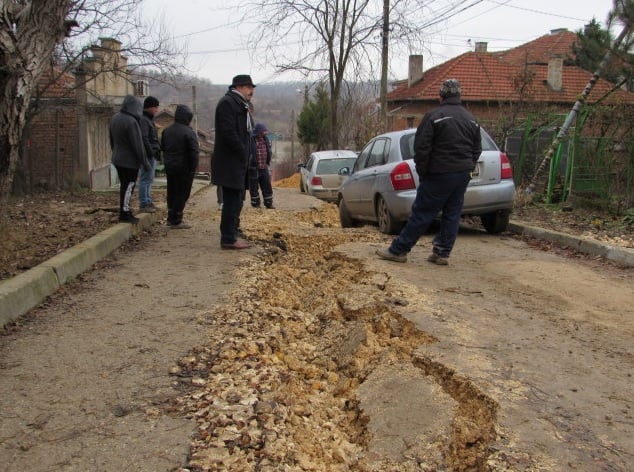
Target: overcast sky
x,y
218,50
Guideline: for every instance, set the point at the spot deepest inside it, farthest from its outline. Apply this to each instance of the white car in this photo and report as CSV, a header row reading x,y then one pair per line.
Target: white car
x,y
320,175
381,186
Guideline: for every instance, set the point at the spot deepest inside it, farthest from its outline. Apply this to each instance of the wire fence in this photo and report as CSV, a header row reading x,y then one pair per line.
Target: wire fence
x,y
595,163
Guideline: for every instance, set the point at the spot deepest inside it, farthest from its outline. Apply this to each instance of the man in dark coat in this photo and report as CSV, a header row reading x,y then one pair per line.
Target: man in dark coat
x,y
153,151
446,148
180,157
230,161
128,152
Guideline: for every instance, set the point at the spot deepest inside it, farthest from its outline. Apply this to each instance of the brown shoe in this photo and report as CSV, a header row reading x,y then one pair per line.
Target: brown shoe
x,y
390,256
237,245
438,260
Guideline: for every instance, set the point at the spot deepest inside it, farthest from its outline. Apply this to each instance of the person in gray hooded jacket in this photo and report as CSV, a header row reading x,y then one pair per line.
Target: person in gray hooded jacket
x,y
128,152
180,157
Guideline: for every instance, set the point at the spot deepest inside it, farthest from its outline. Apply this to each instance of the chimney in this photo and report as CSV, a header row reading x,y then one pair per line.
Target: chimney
x,y
555,73
415,69
481,46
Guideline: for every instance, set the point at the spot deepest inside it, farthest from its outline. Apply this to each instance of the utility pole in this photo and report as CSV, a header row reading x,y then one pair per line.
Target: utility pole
x,y
194,110
384,63
293,136
306,145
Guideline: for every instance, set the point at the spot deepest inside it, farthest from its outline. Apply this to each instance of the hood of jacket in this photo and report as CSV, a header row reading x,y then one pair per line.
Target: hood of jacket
x,y
183,114
132,106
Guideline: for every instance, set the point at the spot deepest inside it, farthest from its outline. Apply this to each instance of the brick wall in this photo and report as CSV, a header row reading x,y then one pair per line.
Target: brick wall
x,y
50,158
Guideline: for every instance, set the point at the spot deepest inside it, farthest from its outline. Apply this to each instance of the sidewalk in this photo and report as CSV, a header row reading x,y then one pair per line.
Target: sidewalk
x,y
23,292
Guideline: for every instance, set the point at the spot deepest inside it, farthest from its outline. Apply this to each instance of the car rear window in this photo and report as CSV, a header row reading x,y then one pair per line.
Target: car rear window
x,y
487,142
332,166
407,144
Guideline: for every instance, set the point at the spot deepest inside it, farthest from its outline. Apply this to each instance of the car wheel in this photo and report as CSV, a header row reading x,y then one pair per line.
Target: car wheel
x,y
496,222
344,216
301,185
386,221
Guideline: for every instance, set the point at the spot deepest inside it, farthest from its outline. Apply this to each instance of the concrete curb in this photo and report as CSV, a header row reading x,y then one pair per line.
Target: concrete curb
x,y
619,255
25,291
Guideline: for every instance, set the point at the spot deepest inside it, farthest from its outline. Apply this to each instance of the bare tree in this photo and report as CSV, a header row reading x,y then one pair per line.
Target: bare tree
x,y
339,40
37,34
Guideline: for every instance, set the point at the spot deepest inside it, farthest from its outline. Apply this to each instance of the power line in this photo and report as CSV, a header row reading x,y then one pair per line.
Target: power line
x,y
539,12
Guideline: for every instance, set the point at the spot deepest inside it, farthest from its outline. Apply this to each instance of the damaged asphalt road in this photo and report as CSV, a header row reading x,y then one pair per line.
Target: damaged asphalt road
x,y
309,353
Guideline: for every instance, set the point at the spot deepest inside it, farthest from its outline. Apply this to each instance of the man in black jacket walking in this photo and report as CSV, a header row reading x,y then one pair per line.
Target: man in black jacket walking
x,y
180,157
447,146
230,161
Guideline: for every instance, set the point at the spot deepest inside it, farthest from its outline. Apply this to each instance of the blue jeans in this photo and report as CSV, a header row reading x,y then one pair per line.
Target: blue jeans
x,y
146,178
233,199
436,192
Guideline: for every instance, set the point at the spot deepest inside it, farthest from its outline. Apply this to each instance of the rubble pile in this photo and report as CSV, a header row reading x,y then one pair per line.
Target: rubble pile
x,y
275,387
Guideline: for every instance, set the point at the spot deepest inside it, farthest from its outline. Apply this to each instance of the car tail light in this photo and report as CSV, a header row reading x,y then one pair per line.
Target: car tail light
x,y
507,170
315,181
402,178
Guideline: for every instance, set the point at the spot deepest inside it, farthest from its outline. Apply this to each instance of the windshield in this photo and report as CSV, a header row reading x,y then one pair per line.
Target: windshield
x,y
332,166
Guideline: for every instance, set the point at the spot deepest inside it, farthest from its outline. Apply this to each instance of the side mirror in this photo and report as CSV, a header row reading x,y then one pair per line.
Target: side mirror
x,y
344,171
301,166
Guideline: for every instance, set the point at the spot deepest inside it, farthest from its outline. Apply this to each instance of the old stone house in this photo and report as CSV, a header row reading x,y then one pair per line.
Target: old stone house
x,y
66,140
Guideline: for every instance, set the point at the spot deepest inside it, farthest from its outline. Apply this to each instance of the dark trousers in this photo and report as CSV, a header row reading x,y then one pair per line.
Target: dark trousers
x,y
232,201
127,182
436,192
263,181
179,187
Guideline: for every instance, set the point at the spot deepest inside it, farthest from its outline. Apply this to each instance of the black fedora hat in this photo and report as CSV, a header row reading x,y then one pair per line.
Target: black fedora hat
x,y
242,80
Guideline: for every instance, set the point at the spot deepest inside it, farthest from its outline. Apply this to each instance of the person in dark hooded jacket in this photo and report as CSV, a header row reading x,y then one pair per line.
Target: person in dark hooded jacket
x,y
128,152
180,158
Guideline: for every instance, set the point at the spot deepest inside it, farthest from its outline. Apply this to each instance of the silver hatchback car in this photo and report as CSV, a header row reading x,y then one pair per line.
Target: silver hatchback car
x,y
381,186
320,176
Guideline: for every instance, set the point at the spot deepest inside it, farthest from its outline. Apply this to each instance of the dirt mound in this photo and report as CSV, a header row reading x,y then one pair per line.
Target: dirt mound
x,y
288,182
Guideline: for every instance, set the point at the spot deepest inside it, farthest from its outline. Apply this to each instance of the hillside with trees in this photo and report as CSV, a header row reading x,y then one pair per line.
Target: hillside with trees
x,y
274,103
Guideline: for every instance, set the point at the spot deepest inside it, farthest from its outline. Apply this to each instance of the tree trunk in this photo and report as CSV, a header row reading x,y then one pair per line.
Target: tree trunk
x,y
29,33
12,121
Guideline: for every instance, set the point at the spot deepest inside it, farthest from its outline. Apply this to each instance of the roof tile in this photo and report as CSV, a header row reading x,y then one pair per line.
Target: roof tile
x,y
486,76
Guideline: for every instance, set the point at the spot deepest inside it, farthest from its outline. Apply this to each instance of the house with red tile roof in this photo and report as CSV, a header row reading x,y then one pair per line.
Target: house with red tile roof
x,y
521,96
536,76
